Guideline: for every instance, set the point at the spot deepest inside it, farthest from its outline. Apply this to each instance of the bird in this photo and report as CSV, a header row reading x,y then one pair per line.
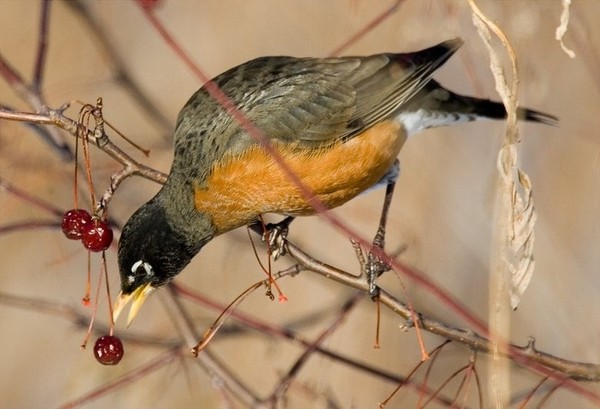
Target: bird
x,y
338,123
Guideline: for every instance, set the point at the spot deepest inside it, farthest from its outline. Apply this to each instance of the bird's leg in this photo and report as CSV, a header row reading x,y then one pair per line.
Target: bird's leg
x,y
274,234
375,266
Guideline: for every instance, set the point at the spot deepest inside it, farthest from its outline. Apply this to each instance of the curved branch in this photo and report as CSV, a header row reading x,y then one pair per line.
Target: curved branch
x,y
57,118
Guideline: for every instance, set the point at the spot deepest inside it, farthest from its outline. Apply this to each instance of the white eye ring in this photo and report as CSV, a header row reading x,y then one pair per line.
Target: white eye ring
x,y
135,266
147,267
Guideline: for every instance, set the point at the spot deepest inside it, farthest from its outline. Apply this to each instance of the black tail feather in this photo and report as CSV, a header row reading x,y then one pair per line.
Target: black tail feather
x,y
495,110
537,116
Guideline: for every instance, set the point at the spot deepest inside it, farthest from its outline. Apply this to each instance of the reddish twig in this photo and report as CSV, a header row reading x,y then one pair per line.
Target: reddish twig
x,y
121,73
367,28
285,381
125,380
29,198
40,61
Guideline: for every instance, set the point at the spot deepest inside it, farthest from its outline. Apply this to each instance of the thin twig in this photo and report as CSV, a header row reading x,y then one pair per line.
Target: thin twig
x,y
40,61
28,225
35,100
80,320
367,28
119,68
125,380
283,332
29,198
285,381
213,366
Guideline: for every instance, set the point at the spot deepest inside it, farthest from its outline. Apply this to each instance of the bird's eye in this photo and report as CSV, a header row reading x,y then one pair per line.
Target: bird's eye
x,y
147,268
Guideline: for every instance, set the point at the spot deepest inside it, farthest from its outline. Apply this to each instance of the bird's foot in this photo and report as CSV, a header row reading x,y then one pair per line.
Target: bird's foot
x,y
275,235
374,267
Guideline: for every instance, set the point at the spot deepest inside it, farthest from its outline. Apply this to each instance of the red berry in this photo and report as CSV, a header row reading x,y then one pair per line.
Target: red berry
x,y
108,350
73,222
97,236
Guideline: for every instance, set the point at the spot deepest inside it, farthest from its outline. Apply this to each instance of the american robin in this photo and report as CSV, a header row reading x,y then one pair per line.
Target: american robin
x,y
339,124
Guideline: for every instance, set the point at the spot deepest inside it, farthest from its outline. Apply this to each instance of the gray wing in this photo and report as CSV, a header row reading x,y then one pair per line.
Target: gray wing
x,y
306,102
319,101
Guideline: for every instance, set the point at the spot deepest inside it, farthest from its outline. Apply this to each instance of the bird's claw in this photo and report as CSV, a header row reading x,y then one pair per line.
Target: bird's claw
x,y
276,237
374,267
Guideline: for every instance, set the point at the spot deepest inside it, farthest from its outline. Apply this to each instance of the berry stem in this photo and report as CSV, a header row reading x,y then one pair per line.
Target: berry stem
x,y
110,308
84,119
88,168
75,174
88,285
94,311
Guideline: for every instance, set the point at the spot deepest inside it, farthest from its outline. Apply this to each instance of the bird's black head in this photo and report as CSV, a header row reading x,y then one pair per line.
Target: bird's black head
x,y
151,253
150,250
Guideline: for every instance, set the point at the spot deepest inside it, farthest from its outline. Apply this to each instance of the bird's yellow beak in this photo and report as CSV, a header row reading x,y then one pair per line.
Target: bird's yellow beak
x,y
136,298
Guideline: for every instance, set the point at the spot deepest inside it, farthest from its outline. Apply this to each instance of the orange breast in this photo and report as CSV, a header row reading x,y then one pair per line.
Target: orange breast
x,y
244,186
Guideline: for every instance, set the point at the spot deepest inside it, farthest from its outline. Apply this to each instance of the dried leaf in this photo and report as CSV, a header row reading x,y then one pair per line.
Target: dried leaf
x,y
562,28
523,238
517,220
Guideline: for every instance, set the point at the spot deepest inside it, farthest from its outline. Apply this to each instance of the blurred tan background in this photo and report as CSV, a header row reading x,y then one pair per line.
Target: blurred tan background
x,y
441,216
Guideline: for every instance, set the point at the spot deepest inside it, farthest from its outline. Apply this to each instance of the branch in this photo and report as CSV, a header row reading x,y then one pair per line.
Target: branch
x,y
37,103
527,356
57,118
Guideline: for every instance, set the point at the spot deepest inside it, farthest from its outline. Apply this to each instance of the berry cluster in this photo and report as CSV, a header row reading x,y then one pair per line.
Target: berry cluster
x,y
95,235
78,224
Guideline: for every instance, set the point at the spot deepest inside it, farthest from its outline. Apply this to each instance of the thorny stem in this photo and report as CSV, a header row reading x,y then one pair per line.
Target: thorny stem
x,y
527,356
